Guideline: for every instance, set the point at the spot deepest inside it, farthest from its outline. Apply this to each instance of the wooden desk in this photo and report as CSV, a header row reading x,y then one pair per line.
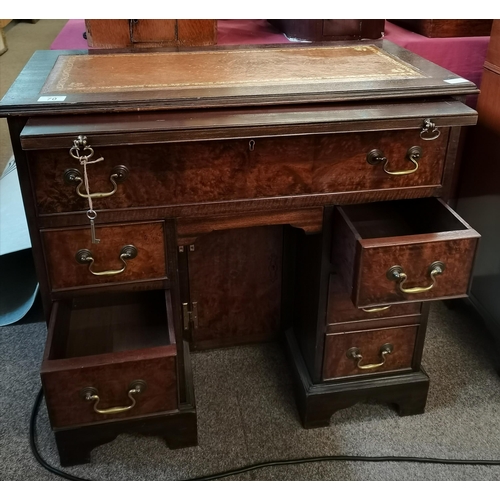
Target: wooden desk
x,y
239,195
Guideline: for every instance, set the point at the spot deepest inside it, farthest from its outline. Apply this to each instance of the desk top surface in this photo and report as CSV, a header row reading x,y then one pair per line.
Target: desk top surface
x,y
66,81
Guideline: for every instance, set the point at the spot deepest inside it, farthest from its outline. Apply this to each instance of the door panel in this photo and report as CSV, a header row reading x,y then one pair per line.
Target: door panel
x,y
235,279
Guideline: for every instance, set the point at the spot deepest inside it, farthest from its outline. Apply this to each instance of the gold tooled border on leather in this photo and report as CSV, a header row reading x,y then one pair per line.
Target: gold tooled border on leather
x,y
252,67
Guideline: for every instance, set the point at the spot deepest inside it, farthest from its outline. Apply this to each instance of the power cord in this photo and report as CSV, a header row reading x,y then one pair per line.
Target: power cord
x,y
261,465
34,449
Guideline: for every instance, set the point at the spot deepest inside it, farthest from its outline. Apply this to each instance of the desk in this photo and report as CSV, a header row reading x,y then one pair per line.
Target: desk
x,y
461,55
234,196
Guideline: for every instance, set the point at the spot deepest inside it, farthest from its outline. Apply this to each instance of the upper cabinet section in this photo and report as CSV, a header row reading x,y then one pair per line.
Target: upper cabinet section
x,y
65,81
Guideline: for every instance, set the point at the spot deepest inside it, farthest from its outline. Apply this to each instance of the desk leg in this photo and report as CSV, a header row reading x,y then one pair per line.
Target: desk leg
x,y
75,445
318,402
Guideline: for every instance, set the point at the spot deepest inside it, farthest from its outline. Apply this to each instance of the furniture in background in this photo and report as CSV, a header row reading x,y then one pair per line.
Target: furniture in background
x,y
3,38
328,30
292,192
461,55
121,33
444,28
479,189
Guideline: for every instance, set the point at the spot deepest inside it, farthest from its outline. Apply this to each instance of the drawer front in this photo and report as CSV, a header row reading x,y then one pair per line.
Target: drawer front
x,y
341,310
402,251
362,352
110,261
110,356
209,171
416,260
65,389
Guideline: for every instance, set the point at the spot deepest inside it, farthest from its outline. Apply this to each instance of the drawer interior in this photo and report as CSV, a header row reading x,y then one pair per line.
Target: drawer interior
x,y
402,217
110,323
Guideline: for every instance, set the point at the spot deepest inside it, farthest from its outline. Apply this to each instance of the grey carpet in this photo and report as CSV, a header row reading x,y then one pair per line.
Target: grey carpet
x,y
247,414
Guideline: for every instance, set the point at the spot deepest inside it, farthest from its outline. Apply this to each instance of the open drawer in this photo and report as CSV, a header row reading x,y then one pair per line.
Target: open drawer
x,y
110,356
403,251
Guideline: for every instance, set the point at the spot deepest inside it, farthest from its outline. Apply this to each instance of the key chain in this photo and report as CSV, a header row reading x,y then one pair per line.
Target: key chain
x,y
84,161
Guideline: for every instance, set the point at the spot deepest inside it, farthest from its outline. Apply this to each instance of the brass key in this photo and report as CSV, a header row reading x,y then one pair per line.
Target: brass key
x,y
91,214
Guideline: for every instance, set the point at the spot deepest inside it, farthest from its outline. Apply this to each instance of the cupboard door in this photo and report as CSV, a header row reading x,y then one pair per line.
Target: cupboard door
x,y
235,286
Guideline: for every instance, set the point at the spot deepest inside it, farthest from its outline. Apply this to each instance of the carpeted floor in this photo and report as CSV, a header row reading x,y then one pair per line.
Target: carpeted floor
x,y
23,39
247,414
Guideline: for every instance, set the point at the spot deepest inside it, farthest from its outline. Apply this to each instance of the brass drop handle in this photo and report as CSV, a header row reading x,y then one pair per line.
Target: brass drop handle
x,y
74,176
91,394
84,256
375,309
396,273
376,156
355,353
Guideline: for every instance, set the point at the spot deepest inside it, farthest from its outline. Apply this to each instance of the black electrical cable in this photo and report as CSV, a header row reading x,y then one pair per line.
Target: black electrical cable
x,y
34,449
220,475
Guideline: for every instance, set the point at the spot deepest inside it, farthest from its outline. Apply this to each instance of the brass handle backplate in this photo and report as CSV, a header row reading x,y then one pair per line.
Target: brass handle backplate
x,y
91,394
84,256
355,353
74,176
376,157
396,273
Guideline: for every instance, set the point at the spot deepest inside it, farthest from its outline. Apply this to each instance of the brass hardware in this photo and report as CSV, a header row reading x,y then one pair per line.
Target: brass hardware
x,y
376,156
191,248
376,309
81,142
194,314
413,154
84,256
186,316
396,273
181,249
91,394
251,145
429,131
91,214
118,174
354,353
74,175
189,316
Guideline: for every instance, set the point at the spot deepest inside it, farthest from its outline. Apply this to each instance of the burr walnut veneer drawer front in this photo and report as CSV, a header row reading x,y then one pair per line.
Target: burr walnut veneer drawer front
x,y
369,351
110,356
179,173
402,251
127,252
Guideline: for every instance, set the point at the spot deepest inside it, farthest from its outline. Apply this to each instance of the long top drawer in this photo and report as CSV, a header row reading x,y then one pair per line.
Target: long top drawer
x,y
166,159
